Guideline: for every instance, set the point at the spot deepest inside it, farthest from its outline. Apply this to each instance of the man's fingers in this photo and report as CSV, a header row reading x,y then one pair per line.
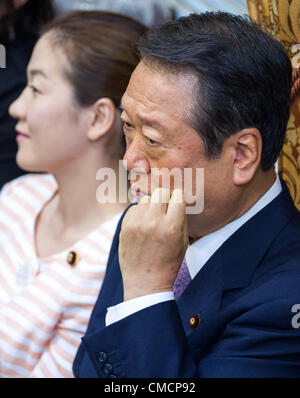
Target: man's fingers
x,y
161,197
176,208
145,200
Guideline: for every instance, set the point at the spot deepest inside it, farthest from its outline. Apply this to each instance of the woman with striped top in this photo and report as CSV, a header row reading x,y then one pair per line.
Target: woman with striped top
x,y
55,236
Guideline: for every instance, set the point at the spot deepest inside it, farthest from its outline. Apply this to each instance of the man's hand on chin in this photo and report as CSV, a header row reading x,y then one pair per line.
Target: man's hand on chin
x,y
153,241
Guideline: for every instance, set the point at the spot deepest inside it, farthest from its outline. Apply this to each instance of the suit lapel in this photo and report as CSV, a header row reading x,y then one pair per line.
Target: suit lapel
x,y
231,267
244,250
202,299
202,294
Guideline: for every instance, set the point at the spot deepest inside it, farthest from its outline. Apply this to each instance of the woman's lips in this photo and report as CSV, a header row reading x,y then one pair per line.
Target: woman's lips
x,y
21,136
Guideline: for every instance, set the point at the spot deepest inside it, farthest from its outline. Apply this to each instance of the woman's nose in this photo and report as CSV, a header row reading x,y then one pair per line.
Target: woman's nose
x,y
17,108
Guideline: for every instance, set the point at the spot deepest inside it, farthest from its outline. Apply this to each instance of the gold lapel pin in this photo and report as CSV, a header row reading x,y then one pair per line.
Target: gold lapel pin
x,y
73,258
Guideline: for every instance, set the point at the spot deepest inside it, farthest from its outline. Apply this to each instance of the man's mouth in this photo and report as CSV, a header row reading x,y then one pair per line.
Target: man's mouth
x,y
137,193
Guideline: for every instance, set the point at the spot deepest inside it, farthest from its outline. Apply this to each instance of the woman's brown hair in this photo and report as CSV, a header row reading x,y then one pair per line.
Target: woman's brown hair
x,y
100,49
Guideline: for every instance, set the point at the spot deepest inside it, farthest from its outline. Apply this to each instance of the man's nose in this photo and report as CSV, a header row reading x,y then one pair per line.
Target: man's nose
x,y
135,159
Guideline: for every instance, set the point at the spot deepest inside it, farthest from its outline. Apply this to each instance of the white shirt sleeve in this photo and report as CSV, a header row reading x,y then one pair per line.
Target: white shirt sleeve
x,y
122,310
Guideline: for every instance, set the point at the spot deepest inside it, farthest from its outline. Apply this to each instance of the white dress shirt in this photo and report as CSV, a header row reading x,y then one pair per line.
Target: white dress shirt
x,y
196,256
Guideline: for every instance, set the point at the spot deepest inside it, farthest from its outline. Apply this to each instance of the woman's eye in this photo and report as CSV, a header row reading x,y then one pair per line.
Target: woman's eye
x,y
34,89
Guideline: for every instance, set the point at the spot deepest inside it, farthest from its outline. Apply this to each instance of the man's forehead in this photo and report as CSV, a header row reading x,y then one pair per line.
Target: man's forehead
x,y
149,82
153,86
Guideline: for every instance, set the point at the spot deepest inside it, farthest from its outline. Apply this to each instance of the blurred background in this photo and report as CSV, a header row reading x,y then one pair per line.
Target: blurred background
x,y
153,11
20,20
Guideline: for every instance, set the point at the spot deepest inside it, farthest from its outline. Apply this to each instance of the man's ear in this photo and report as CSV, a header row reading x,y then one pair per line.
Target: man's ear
x,y
248,150
102,120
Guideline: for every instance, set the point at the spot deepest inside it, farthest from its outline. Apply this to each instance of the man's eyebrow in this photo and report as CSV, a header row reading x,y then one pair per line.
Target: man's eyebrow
x,y
152,123
34,72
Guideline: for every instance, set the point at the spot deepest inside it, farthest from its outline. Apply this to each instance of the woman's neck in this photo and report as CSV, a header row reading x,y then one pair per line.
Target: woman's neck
x,y
77,201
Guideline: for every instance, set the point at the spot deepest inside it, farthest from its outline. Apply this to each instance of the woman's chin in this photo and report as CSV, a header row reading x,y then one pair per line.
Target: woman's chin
x,y
28,166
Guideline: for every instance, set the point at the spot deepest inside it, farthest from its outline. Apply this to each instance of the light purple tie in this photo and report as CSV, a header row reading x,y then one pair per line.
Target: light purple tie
x,y
182,280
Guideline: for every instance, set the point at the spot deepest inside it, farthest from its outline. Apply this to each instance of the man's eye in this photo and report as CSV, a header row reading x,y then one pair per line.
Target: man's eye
x,y
152,142
126,124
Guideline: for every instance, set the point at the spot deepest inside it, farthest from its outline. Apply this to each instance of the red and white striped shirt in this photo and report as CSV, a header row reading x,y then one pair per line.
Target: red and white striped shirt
x,y
45,303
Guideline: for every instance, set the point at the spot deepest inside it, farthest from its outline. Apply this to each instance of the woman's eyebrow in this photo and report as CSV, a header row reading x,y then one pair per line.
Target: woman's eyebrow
x,y
35,72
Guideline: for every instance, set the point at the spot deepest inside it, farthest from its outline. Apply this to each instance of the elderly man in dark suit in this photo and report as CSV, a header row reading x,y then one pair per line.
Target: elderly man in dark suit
x,y
213,294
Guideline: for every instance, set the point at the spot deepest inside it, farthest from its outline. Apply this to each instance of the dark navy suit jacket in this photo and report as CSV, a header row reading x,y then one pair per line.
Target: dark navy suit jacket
x,y
243,297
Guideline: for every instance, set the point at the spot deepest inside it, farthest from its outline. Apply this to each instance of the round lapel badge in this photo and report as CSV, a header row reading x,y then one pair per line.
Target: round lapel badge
x,y
73,258
194,321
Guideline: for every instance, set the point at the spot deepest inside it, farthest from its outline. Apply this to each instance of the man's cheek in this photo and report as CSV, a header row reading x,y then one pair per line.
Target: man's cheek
x,y
166,178
194,190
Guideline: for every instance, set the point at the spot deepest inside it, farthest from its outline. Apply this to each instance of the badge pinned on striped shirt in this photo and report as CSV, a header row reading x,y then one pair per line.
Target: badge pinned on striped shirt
x,y
73,258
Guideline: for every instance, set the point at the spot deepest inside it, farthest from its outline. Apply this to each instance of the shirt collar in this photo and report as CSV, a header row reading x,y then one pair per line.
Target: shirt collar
x,y
199,252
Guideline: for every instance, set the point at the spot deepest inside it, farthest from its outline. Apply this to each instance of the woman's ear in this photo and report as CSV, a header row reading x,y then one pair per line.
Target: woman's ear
x,y
248,150
102,120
